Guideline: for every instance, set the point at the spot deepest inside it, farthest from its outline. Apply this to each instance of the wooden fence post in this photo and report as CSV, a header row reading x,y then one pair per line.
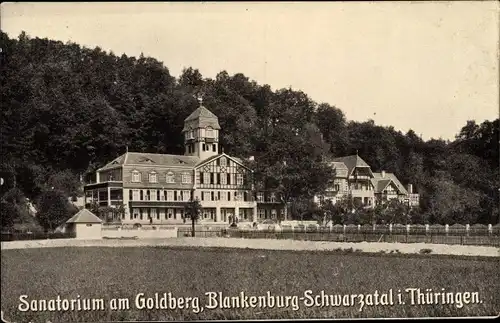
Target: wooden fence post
x,y
407,232
490,229
467,229
446,229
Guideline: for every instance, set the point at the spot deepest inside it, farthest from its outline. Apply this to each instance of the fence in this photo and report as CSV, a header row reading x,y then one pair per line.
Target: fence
x,y
475,235
14,236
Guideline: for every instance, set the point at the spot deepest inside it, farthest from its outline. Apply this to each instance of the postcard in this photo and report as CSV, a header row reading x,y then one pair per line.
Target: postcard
x,y
249,161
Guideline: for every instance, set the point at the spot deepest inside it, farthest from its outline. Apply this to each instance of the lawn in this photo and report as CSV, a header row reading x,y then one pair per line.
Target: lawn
x,y
112,273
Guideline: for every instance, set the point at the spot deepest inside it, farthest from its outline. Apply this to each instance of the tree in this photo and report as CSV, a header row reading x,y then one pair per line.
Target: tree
x,y
53,209
192,210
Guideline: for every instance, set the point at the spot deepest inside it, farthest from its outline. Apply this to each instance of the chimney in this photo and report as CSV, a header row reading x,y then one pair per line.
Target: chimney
x,y
410,188
383,174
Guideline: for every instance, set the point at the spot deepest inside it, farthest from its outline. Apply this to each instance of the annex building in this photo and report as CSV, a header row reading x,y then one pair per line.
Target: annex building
x,y
355,180
154,188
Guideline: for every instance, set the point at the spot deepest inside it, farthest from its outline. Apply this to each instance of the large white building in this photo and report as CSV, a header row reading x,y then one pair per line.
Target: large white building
x,y
154,188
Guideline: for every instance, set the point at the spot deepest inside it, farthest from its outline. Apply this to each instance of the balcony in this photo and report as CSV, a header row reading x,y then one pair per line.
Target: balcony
x,y
362,193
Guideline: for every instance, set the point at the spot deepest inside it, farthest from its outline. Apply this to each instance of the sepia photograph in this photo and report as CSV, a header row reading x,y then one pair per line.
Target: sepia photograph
x,y
197,161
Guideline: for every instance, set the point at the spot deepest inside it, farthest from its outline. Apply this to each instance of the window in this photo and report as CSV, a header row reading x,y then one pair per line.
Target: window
x,y
190,134
236,196
141,195
245,196
204,147
135,213
153,195
175,195
187,196
158,197
229,196
89,224
170,177
262,213
212,195
212,180
209,133
186,178
218,196
130,195
239,179
214,147
153,177
148,196
223,161
228,179
260,197
223,179
136,176
273,214
273,197
218,178
153,213
170,195
206,178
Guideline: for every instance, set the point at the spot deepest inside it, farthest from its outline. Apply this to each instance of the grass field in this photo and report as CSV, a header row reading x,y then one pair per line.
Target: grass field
x,y
107,273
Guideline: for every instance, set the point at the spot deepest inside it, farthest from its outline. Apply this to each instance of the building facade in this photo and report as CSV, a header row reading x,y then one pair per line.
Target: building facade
x,y
155,188
354,180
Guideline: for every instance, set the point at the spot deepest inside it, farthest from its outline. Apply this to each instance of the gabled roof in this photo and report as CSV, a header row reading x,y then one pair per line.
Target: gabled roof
x,y
390,176
340,168
379,184
209,159
201,118
351,162
84,216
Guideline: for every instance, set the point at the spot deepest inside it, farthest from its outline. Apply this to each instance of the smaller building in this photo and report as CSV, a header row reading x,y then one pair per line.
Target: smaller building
x,y
85,225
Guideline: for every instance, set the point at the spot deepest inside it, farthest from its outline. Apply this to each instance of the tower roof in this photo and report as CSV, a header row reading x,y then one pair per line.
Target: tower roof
x,y
201,118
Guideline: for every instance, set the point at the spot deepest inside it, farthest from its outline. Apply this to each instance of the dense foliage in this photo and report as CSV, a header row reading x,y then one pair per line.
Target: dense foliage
x,y
67,110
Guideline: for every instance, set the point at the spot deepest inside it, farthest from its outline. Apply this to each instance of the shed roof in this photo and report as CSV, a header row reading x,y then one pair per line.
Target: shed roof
x,y
84,216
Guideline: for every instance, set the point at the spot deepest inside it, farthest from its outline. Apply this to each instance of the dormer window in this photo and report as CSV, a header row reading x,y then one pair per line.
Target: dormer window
x,y
136,176
209,132
153,177
146,160
170,177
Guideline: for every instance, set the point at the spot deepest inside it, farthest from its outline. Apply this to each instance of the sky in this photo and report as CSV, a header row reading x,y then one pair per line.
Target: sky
x,y
426,66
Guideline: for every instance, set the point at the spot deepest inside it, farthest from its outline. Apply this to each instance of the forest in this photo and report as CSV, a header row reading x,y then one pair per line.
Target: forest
x,y
67,110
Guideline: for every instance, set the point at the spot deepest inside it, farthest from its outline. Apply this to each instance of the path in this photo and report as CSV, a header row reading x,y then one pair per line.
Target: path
x,y
269,244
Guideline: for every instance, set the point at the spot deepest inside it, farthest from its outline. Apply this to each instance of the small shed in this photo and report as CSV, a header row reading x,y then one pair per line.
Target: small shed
x,y
85,225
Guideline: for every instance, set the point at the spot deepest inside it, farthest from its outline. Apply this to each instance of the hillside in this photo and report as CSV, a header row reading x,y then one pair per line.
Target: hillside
x,y
67,110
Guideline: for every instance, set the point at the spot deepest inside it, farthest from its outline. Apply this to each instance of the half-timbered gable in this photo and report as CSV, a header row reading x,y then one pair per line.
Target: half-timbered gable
x,y
223,172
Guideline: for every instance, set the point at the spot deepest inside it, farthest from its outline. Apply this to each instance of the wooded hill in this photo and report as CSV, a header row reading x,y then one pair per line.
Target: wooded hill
x,y
67,110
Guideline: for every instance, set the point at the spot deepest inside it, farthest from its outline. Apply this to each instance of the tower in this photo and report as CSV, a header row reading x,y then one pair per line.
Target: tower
x,y
201,133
